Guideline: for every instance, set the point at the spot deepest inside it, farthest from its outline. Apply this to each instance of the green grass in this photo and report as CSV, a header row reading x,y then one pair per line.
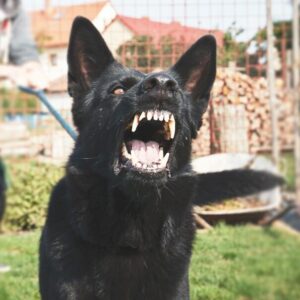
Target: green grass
x,y
246,263
236,263
20,252
287,168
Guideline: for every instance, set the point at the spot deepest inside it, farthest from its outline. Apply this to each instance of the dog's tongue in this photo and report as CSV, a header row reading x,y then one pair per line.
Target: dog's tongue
x,y
146,153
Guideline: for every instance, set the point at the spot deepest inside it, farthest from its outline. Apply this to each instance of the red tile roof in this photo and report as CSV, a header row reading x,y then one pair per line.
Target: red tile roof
x,y
51,28
181,33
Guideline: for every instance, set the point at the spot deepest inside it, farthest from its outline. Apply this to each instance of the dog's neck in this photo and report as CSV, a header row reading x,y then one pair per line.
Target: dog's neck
x,y
135,215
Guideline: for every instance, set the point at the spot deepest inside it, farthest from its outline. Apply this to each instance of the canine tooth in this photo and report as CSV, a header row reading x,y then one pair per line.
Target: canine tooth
x,y
149,115
124,149
125,152
165,160
142,116
145,166
155,115
172,127
139,165
161,153
135,123
166,116
167,131
161,116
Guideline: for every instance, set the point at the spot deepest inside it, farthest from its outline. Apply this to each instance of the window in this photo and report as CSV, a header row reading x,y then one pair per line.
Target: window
x,y
53,59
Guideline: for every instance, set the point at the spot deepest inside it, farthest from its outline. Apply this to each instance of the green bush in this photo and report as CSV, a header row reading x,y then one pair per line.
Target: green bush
x,y
12,101
28,194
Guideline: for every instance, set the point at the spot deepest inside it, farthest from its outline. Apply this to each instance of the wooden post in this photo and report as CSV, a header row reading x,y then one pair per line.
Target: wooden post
x,y
48,7
296,81
271,83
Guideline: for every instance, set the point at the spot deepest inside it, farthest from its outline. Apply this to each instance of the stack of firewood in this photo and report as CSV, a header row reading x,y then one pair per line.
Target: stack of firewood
x,y
234,89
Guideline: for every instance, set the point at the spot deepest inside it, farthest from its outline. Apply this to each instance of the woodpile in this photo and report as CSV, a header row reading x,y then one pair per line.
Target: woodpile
x,y
250,124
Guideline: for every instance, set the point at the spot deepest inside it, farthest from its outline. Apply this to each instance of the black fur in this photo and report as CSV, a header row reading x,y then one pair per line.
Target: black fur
x,y
112,232
229,184
2,190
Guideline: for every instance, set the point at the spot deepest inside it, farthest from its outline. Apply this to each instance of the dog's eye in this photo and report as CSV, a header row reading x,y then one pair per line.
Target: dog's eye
x,y
118,91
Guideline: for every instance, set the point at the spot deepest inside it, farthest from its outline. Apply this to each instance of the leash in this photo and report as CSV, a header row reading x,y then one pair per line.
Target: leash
x,y
43,98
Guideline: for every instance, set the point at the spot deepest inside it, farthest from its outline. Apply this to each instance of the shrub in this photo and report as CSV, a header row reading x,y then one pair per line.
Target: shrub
x,y
28,194
13,101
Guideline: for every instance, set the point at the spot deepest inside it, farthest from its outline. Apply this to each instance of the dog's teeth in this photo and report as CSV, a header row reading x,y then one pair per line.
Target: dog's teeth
x,y
145,166
149,115
167,131
135,123
133,157
139,165
142,116
161,116
166,116
155,115
165,160
172,126
161,153
125,152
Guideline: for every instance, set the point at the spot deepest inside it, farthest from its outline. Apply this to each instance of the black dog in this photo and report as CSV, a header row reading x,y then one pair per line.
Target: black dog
x,y
119,224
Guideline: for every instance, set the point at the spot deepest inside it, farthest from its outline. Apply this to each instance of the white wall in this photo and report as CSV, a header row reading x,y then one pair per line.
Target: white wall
x,y
116,34
54,71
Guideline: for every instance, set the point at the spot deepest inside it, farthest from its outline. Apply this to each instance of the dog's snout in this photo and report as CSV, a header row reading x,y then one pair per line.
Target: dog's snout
x,y
159,82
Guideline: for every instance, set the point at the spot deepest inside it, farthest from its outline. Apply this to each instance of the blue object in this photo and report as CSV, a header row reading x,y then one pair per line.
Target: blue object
x,y
43,98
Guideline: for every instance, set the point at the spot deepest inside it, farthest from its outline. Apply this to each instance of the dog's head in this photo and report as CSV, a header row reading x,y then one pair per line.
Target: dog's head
x,y
130,123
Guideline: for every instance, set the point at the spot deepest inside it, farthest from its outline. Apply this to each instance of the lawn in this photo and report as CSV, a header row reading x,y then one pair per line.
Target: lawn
x,y
287,169
240,263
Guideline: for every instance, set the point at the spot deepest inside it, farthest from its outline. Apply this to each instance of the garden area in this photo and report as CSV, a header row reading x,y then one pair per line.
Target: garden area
x,y
229,262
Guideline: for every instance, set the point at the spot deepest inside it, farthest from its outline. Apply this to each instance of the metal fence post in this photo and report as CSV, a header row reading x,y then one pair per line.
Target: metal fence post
x,y
271,83
296,81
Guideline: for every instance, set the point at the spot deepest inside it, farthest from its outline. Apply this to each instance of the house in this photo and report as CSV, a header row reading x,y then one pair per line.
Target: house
x,y
124,28
51,28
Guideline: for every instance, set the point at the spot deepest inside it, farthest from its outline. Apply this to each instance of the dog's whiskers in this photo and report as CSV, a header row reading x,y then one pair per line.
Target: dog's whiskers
x,y
87,158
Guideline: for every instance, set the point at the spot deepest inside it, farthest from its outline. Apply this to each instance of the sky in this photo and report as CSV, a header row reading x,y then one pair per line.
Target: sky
x,y
217,14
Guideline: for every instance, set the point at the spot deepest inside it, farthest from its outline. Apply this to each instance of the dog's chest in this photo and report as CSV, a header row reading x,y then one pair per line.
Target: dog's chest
x,y
133,276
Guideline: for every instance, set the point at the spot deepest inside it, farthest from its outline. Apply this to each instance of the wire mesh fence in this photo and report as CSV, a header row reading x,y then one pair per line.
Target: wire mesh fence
x,y
150,36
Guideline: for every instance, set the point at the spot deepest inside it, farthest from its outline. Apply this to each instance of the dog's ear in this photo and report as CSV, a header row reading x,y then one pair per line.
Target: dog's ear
x,y
88,56
196,72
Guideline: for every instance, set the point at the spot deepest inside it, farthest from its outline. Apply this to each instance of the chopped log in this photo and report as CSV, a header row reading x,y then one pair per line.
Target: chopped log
x,y
234,88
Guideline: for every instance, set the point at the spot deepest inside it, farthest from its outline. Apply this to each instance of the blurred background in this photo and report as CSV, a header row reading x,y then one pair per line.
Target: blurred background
x,y
151,35
254,107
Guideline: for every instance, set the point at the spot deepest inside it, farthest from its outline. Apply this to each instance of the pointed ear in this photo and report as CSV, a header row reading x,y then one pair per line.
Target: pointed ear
x,y
88,56
196,71
197,67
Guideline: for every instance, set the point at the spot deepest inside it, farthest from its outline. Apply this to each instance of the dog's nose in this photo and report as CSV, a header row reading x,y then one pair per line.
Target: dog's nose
x,y
159,82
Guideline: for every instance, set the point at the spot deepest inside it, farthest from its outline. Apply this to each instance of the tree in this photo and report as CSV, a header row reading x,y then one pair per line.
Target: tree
x,y
232,50
142,53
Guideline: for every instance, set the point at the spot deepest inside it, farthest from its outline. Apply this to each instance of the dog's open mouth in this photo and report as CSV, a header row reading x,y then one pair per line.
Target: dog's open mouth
x,y
147,141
